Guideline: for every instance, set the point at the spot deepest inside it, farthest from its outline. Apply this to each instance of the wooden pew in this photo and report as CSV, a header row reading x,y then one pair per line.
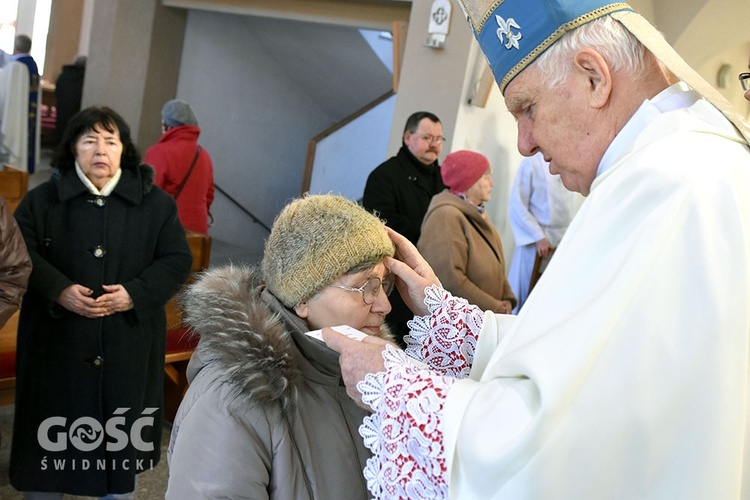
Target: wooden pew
x,y
13,185
180,343
8,359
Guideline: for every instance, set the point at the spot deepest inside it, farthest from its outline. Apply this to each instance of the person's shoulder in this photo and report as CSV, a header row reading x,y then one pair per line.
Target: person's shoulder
x,y
212,400
445,205
388,165
45,190
383,173
151,192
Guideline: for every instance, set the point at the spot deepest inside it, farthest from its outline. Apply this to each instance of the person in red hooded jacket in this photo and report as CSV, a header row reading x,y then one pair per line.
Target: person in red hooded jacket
x,y
183,168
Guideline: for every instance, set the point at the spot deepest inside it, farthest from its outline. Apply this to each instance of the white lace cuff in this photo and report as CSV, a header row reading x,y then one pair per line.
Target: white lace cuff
x,y
405,431
446,339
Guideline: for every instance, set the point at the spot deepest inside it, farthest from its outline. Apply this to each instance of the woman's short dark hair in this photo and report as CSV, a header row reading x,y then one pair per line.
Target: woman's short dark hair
x,y
93,118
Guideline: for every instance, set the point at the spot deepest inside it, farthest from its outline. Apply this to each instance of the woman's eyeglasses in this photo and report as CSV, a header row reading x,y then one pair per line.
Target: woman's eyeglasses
x,y
371,288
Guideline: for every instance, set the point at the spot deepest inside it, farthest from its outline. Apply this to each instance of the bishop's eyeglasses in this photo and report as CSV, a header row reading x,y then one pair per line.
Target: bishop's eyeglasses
x,y
745,81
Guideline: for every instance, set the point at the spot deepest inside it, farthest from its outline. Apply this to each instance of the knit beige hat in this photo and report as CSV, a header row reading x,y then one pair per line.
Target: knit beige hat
x,y
317,238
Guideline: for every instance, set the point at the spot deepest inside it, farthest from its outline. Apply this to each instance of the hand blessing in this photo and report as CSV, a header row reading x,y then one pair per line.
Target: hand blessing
x,y
413,272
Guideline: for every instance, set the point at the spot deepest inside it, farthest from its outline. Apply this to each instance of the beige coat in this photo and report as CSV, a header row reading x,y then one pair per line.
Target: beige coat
x,y
465,251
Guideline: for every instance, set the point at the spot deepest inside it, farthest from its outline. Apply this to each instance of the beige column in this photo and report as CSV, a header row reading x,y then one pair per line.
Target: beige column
x,y
135,46
431,79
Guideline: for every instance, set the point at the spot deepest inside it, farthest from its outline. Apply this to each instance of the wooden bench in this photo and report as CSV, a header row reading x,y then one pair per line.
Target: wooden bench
x,y
180,343
8,359
13,185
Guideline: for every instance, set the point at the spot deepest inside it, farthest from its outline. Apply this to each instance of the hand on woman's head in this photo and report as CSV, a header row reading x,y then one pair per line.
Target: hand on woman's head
x,y
412,271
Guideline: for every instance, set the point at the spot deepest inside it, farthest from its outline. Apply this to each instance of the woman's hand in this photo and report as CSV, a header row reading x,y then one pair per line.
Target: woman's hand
x,y
506,307
413,272
115,299
543,248
77,299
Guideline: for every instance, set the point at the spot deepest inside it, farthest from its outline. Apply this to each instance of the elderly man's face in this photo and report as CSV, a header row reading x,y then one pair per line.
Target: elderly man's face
x,y
747,92
560,123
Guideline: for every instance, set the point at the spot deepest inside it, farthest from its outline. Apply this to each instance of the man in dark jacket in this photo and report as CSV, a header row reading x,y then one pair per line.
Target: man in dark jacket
x,y
400,189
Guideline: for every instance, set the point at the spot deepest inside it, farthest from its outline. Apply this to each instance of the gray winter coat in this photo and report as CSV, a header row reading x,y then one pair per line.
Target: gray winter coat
x,y
266,414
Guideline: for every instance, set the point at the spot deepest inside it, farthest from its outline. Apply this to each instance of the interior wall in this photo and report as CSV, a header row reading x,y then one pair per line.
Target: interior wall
x,y
256,121
162,70
118,59
342,164
63,36
431,79
715,36
736,59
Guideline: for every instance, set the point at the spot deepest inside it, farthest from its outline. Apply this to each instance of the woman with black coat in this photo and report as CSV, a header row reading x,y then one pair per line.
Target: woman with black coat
x,y
108,252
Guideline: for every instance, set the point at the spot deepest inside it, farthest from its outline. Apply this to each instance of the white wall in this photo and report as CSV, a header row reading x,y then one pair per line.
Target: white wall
x,y
259,122
737,59
344,159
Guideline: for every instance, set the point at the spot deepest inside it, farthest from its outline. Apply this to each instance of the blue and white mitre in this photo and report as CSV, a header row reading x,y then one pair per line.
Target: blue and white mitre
x,y
513,33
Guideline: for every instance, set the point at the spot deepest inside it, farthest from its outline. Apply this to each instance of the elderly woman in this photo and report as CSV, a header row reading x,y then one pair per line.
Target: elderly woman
x,y
458,239
266,414
108,252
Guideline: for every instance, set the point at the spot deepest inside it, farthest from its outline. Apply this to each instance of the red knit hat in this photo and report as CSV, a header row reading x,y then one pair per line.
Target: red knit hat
x,y
461,169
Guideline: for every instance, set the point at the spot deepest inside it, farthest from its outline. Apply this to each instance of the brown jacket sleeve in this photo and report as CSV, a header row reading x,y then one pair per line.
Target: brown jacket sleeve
x,y
15,264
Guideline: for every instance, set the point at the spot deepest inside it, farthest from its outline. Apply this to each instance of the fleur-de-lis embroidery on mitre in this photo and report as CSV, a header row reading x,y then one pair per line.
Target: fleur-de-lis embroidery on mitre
x,y
505,30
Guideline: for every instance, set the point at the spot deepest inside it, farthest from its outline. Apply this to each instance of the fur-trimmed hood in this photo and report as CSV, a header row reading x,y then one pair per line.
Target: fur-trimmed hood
x,y
250,338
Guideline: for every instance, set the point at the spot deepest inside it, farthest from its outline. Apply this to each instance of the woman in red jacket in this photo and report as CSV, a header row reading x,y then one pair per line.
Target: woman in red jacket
x,y
183,168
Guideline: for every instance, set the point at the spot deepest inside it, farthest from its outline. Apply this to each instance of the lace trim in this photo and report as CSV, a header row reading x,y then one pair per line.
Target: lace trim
x,y
446,339
405,433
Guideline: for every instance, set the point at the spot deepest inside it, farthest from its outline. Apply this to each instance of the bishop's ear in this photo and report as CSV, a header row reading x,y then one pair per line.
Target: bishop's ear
x,y
591,65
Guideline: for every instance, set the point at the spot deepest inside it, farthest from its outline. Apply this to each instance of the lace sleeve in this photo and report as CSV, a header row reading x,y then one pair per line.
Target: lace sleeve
x,y
405,431
446,338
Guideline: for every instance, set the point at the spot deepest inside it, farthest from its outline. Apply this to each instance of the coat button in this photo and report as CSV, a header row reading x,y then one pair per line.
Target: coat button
x,y
97,362
99,252
100,201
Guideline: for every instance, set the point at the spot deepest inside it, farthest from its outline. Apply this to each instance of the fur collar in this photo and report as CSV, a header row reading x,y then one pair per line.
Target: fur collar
x,y
240,334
